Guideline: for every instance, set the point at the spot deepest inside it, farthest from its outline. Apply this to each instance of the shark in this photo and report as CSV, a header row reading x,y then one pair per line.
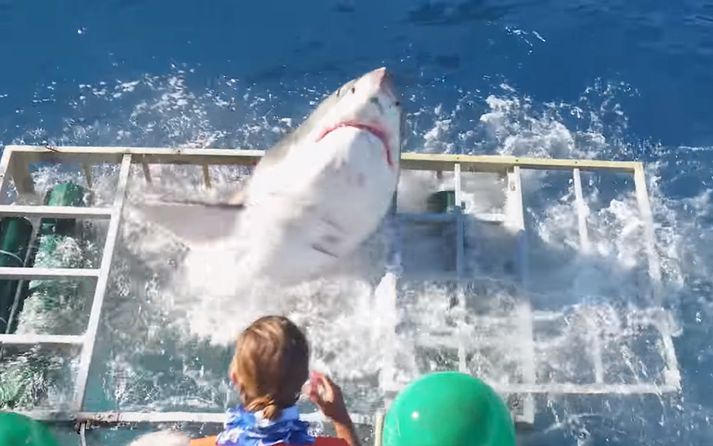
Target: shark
x,y
313,197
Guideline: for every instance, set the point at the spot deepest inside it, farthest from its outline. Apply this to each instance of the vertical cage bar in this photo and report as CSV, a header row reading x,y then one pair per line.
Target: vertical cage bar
x,y
206,176
5,172
581,210
642,197
458,220
516,220
101,284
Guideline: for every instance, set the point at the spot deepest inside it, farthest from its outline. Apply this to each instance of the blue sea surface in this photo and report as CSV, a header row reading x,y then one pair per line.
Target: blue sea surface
x,y
621,80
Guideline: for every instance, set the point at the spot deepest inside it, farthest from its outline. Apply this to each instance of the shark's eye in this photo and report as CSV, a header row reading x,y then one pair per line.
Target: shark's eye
x,y
397,103
353,90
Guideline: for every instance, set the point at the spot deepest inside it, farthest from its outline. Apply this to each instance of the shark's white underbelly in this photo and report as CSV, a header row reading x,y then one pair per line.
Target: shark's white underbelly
x,y
318,207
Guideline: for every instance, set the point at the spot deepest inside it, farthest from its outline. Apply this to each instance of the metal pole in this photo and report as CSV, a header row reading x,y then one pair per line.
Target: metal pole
x,y
458,221
379,429
642,197
393,272
581,211
460,260
4,166
516,214
101,285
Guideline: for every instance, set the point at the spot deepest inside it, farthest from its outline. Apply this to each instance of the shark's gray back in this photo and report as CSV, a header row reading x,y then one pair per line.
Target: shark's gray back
x,y
278,152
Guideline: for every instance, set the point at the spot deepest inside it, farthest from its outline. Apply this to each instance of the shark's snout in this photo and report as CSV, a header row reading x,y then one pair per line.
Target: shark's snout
x,y
380,79
381,74
370,104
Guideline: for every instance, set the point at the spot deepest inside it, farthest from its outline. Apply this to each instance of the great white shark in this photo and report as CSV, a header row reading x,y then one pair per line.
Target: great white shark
x,y
311,200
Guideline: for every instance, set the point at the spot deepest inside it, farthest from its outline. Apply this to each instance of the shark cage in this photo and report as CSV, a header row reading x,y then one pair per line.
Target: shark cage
x,y
476,334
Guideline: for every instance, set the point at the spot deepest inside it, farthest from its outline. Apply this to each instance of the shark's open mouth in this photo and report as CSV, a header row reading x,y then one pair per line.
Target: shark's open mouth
x,y
369,128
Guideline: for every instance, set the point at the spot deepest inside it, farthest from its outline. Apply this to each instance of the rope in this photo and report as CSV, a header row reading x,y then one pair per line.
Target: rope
x,y
13,255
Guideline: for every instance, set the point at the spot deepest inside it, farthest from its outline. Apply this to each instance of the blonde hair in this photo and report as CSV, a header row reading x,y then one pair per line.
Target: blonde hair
x,y
270,365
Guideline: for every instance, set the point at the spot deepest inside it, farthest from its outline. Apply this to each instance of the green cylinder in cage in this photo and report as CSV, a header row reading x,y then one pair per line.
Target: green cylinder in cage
x,y
63,194
15,234
47,306
50,304
442,201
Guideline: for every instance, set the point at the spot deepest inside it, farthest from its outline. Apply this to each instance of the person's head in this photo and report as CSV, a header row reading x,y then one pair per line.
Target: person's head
x,y
270,365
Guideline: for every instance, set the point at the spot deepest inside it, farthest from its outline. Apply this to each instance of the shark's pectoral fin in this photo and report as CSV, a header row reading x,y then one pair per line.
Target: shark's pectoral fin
x,y
235,203
193,222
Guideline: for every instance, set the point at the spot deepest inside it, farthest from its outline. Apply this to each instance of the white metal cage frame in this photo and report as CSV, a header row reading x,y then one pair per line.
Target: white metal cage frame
x,y
15,166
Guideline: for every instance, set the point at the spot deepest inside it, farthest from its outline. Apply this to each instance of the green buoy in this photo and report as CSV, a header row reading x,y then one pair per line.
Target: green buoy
x,y
448,409
19,430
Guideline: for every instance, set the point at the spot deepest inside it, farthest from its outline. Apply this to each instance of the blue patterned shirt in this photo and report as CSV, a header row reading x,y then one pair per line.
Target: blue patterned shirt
x,y
245,428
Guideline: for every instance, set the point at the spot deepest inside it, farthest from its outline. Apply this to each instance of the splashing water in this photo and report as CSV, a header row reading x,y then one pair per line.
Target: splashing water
x,y
163,347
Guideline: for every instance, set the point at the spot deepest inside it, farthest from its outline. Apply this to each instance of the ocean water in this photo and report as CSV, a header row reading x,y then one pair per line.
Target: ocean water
x,y
572,79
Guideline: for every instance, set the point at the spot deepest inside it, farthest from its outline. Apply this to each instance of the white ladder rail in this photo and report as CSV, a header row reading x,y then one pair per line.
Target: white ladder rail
x,y
642,198
594,332
32,339
7,272
112,418
54,211
460,267
516,223
581,208
102,281
394,267
4,167
8,169
460,230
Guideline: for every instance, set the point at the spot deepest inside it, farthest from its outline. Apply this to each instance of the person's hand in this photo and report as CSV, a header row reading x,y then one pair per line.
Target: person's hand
x,y
328,397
